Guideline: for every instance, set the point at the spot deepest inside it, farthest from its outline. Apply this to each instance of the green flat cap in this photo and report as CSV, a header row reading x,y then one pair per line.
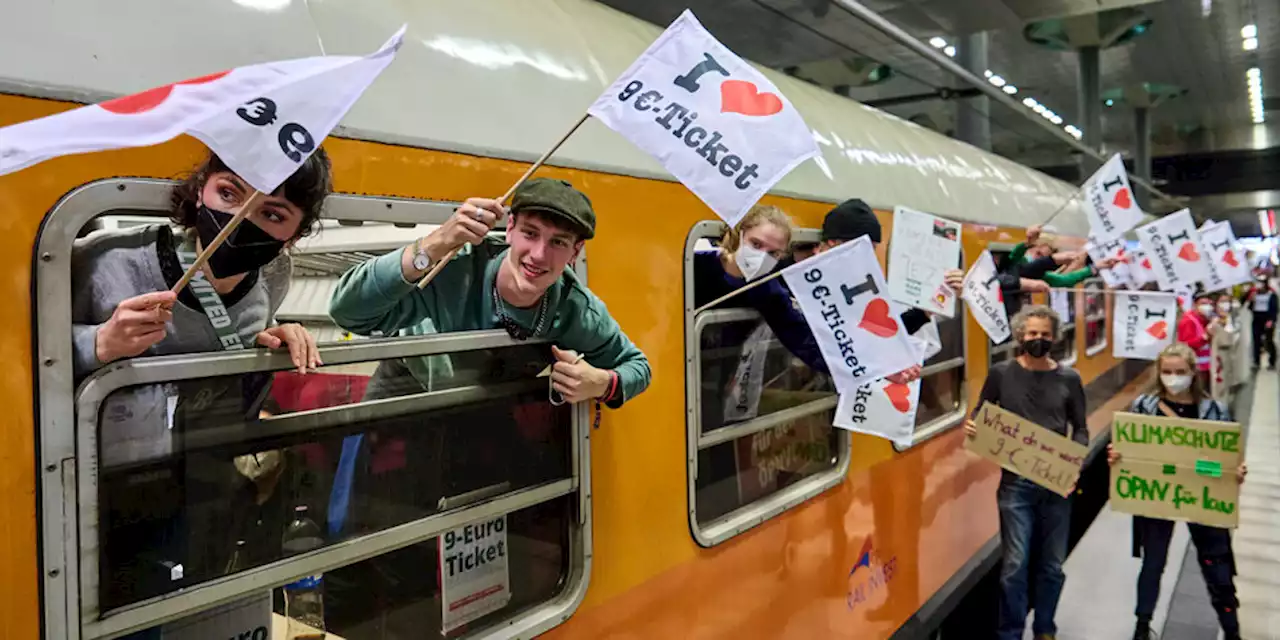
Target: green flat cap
x,y
560,199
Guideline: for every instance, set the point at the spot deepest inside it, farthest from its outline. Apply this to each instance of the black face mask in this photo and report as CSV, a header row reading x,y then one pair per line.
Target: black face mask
x,y
246,249
1037,348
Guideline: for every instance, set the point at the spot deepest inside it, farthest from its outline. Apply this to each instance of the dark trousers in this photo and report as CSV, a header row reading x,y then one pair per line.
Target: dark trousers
x,y
1034,523
1213,549
1263,338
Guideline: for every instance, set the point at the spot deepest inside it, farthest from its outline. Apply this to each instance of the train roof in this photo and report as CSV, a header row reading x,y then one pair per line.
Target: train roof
x,y
501,78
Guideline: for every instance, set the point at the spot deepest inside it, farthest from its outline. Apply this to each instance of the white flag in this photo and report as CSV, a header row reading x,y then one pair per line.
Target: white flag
x,y
985,299
263,120
711,119
1224,253
1140,268
1117,277
1060,302
1186,297
1172,243
1145,324
1109,201
921,250
845,301
881,408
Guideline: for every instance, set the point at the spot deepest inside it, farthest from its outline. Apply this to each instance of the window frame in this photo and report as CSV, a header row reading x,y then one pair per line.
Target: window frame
x,y
752,514
1085,290
948,421
1072,299
67,482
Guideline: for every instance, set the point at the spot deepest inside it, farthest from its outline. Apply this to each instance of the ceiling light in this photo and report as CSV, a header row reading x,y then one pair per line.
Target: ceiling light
x,y
937,42
1049,115
1030,102
1039,108
950,51
998,81
1010,89
1253,72
987,73
1250,44
1056,120
1249,31
1110,102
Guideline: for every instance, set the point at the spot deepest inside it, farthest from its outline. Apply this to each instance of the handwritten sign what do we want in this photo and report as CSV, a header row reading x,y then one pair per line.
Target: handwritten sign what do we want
x,y
1027,449
1176,469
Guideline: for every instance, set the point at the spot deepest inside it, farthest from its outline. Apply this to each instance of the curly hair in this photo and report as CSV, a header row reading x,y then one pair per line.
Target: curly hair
x,y
306,188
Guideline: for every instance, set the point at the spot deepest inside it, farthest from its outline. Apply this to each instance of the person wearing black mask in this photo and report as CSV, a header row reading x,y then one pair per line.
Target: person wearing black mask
x,y
1034,521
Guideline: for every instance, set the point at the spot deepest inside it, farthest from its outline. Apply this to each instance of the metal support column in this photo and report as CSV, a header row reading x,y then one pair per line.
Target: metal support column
x,y
973,119
1142,150
1090,105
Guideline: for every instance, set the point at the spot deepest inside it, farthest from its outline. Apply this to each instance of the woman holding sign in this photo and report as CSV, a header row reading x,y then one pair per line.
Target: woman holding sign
x,y
1180,393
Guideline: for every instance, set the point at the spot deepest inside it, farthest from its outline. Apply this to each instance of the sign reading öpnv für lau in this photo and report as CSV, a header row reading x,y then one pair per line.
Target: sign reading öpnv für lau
x,y
711,119
474,576
843,296
1177,469
1027,449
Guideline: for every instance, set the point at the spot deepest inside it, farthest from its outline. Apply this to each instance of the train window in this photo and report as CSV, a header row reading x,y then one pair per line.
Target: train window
x,y
759,420
189,472
1064,350
999,352
1095,316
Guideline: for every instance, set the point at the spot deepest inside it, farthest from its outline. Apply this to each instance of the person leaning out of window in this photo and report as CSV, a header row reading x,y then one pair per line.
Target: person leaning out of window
x,y
1179,393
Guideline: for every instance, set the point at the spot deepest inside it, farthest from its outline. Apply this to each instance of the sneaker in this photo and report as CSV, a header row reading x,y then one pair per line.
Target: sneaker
x,y
1142,631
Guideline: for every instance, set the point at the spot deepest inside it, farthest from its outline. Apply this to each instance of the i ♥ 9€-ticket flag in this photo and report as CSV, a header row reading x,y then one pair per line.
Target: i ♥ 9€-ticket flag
x,y
263,120
712,120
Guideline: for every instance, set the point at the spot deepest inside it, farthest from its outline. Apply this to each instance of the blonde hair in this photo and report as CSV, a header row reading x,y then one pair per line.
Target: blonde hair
x,y
1180,350
758,215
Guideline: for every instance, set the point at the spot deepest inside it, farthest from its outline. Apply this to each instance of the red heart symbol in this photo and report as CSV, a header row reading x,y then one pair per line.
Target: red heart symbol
x,y
1146,263
899,395
1188,252
1230,258
740,96
152,98
1122,199
876,320
1159,330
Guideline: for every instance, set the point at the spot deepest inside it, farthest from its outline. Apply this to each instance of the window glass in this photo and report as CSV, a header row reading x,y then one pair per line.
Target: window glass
x,y
744,470
1095,302
940,394
1064,350
211,486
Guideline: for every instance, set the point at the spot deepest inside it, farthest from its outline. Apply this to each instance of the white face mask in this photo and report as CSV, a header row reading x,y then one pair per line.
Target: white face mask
x,y
1205,310
753,261
1175,383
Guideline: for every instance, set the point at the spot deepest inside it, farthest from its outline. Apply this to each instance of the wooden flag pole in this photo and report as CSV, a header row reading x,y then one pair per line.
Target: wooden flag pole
x,y
245,210
751,285
1062,208
437,267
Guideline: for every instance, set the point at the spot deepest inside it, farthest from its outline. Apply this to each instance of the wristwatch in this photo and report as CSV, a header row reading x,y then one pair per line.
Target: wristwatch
x,y
421,261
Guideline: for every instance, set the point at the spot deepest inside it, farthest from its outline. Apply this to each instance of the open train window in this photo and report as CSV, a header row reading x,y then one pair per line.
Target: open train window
x,y
178,476
760,438
1064,350
999,352
943,401
1095,316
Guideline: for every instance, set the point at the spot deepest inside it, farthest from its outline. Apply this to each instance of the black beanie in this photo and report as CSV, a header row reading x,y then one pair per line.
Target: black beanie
x,y
850,220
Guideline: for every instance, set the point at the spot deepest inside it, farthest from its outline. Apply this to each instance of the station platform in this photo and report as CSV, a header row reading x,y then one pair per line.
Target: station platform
x,y
1099,597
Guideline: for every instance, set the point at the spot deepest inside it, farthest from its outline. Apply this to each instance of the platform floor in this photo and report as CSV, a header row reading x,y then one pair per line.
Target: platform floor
x,y
1100,593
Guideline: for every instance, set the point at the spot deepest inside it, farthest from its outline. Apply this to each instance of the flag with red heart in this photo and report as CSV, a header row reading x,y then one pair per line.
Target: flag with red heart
x,y
711,118
1117,276
1173,245
981,292
1109,202
263,120
843,297
1141,271
881,408
1224,255
1144,323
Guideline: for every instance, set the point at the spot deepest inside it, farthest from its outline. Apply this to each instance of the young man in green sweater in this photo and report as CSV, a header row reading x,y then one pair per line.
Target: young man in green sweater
x,y
522,286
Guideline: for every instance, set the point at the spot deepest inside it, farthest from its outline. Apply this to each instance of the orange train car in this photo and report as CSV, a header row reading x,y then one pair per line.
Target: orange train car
x,y
656,525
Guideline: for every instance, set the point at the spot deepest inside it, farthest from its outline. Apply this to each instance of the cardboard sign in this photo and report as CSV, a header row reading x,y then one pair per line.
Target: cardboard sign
x,y
921,250
986,301
1226,256
1176,469
844,298
1027,449
1110,202
712,120
798,448
1117,277
1145,323
474,576
1173,245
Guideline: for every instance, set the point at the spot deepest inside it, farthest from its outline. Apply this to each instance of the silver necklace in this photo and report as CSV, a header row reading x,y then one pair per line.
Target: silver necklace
x,y
514,329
